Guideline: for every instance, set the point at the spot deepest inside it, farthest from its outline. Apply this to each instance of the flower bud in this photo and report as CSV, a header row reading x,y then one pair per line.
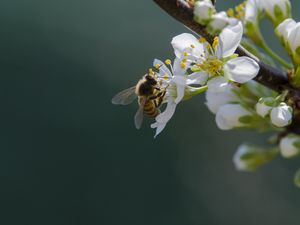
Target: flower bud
x,y
264,106
249,158
290,146
203,11
277,10
230,116
294,43
217,23
281,115
283,30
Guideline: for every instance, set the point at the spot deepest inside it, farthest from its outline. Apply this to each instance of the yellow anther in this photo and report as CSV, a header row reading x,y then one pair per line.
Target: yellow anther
x,y
192,46
166,77
183,65
168,62
216,42
202,40
157,66
151,71
185,54
230,12
184,60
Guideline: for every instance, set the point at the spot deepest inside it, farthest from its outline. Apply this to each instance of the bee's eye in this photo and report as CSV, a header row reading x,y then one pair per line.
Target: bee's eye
x,y
148,77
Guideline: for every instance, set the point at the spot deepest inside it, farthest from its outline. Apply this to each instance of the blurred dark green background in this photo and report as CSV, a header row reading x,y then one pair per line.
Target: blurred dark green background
x,y
68,156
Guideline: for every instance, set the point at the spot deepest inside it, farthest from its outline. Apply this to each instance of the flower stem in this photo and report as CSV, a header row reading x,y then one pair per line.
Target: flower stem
x,y
268,50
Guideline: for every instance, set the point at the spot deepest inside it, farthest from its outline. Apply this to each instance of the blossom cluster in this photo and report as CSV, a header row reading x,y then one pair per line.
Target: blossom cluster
x,y
212,66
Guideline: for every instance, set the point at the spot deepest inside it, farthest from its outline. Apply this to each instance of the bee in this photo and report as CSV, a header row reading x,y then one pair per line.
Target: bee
x,y
150,96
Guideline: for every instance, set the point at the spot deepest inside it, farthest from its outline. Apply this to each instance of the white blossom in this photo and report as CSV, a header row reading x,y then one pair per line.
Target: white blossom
x,y
264,106
217,23
290,146
248,158
289,31
277,10
281,115
203,11
219,93
251,12
178,83
229,116
214,59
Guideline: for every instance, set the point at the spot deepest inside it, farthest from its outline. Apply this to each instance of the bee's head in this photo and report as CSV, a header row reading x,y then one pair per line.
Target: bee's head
x,y
150,79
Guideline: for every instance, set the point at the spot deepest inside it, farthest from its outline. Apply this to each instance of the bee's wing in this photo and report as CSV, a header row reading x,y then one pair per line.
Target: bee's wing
x,y
138,118
124,97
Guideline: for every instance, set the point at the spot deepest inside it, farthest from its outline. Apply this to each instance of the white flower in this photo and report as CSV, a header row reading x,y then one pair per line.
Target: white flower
x,y
219,93
203,11
217,23
251,12
239,163
212,59
289,31
277,10
249,158
230,116
283,29
264,106
290,146
281,115
178,85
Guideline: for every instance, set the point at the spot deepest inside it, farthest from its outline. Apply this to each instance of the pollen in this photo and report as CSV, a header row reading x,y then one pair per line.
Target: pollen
x,y
238,12
212,66
168,62
216,42
151,71
202,40
230,12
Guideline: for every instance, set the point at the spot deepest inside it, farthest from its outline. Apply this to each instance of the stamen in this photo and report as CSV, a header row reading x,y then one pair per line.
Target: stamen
x,y
215,43
157,66
168,62
230,12
185,54
192,46
202,40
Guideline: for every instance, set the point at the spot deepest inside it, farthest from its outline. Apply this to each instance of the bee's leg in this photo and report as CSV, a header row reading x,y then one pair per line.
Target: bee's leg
x,y
161,98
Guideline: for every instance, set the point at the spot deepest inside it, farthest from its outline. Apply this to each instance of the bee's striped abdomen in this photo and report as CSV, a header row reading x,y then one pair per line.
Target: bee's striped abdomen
x,y
150,109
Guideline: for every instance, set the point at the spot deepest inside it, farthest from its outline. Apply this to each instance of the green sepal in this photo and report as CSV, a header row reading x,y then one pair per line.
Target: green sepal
x,y
297,178
296,77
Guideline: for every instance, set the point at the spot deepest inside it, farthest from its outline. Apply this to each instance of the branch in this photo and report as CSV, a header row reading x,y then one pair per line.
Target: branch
x,y
268,76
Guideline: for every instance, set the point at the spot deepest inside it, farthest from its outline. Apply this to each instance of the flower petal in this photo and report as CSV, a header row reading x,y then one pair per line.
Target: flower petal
x,y
230,38
184,41
217,85
197,78
241,69
165,116
163,69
